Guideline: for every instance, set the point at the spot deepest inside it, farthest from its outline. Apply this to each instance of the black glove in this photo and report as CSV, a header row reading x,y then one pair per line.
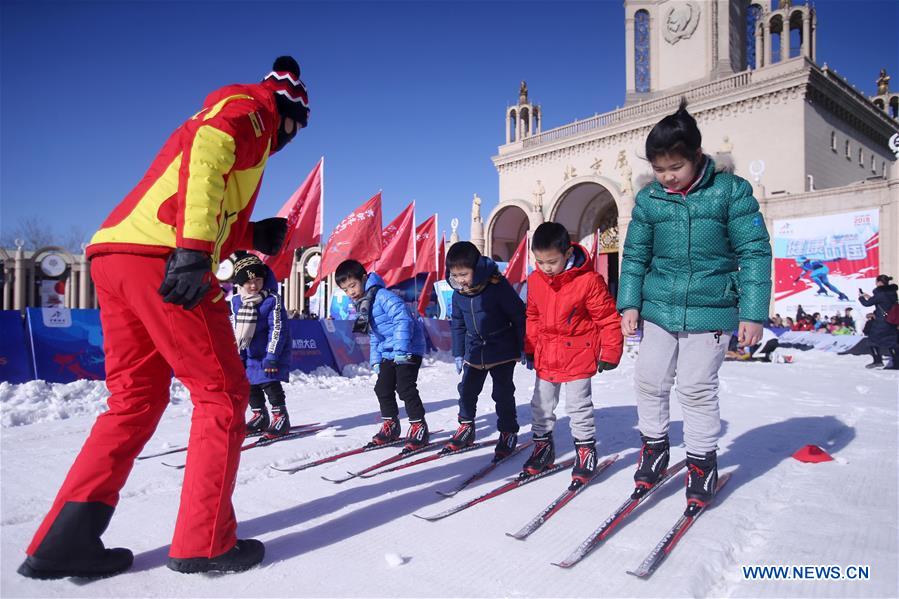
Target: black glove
x,y
269,234
601,366
188,276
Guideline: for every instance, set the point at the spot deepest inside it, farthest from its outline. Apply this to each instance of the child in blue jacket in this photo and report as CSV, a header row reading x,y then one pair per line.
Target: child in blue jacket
x,y
488,321
397,346
263,338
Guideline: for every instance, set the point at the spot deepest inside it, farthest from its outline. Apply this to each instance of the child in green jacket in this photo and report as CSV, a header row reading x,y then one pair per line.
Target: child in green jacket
x,y
696,266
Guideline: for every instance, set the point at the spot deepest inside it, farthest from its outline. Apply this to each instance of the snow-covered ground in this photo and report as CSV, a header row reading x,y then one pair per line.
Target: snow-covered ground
x,y
360,539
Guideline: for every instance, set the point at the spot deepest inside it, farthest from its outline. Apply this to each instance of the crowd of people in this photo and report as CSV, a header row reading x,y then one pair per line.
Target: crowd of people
x,y
836,324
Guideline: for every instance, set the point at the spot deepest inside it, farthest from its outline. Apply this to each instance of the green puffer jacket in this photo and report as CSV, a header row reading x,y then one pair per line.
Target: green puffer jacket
x,y
699,261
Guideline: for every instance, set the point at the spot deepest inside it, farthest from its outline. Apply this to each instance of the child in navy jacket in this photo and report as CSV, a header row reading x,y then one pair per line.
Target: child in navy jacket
x,y
488,320
263,338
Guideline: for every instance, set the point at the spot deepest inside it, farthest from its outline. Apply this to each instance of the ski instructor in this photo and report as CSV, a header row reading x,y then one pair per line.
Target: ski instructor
x,y
162,313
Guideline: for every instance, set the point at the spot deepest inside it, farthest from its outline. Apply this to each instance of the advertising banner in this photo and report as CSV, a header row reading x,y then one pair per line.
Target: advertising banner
x,y
346,346
66,345
15,367
309,348
439,333
821,262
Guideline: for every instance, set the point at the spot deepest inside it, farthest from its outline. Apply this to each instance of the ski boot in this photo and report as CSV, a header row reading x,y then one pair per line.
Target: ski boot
x,y
258,423
822,292
389,432
245,554
505,445
280,425
584,463
542,457
463,437
702,478
652,463
417,437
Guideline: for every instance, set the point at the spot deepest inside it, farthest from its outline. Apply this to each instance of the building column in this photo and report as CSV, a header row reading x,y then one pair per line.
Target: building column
x,y
785,39
759,48
540,121
629,58
767,38
508,129
806,36
19,280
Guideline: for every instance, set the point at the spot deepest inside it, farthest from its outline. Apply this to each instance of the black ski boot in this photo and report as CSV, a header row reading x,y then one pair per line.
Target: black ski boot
x,y
542,457
280,425
652,463
463,437
878,358
389,432
243,556
505,445
258,423
418,435
702,478
584,462
72,546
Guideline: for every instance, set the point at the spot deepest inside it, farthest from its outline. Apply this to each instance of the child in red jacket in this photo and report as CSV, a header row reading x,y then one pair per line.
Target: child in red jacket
x,y
573,332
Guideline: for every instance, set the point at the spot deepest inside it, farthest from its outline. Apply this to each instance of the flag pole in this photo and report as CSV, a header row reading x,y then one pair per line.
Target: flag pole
x,y
414,254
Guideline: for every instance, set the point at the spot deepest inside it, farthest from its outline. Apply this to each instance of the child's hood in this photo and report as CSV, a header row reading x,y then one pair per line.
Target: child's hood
x,y
484,271
581,263
373,279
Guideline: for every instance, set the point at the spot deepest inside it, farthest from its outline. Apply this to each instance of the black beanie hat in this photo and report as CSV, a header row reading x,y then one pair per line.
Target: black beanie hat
x,y
248,267
290,91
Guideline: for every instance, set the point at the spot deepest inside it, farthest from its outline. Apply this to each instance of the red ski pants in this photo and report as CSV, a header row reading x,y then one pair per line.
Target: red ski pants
x,y
145,341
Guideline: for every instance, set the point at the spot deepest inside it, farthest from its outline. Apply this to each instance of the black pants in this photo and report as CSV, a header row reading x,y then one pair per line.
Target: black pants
x,y
273,390
399,379
503,394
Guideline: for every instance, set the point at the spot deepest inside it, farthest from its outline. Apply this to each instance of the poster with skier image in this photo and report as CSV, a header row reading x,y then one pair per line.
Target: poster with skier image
x,y
821,262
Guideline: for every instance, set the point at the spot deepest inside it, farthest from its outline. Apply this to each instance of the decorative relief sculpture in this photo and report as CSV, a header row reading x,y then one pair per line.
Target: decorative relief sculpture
x,y
681,21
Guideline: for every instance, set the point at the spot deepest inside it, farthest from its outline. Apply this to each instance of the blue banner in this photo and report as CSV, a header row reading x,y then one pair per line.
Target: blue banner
x,y
439,333
310,347
66,345
15,367
347,347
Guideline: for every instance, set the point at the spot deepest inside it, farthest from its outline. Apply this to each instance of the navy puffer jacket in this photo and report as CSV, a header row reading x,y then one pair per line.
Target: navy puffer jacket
x,y
488,322
271,340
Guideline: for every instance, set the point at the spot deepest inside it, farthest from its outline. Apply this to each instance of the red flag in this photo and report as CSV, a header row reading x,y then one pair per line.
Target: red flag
x,y
427,260
358,236
303,212
398,253
517,270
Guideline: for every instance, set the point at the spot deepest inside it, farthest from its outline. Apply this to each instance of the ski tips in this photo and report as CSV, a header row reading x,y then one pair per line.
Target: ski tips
x,y
516,536
446,493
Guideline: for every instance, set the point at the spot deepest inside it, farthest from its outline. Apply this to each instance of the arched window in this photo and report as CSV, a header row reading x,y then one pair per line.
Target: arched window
x,y
641,51
513,124
776,28
752,53
833,141
848,151
861,157
894,107
873,164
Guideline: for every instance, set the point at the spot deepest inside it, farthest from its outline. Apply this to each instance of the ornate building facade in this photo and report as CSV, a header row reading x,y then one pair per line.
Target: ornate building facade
x,y
810,143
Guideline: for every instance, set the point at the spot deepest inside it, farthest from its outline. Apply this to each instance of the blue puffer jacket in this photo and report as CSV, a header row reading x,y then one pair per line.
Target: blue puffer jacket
x,y
488,320
394,329
271,341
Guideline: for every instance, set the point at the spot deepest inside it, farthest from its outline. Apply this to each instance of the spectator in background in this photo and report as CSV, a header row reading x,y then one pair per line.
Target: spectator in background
x,y
789,323
848,321
882,335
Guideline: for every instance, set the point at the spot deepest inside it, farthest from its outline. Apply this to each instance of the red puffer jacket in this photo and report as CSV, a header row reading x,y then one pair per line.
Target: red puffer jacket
x,y
572,323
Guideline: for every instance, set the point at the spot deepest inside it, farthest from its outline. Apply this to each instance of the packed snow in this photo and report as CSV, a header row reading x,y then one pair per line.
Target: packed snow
x,y
360,539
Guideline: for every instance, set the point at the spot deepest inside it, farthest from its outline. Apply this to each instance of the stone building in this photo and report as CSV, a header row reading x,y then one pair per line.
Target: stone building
x,y
809,141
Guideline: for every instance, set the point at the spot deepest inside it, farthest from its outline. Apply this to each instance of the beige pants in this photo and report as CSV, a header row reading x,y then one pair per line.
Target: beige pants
x,y
693,359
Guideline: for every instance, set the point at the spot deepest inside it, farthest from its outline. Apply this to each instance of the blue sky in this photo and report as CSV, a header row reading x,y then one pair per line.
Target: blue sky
x,y
407,97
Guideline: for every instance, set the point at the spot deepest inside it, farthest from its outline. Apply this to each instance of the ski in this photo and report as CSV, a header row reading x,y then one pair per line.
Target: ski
x,y
504,488
618,516
440,454
668,542
484,471
402,455
181,448
337,456
263,442
559,502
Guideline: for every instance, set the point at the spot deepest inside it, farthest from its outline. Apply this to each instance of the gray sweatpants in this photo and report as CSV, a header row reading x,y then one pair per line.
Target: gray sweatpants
x,y
578,405
694,358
